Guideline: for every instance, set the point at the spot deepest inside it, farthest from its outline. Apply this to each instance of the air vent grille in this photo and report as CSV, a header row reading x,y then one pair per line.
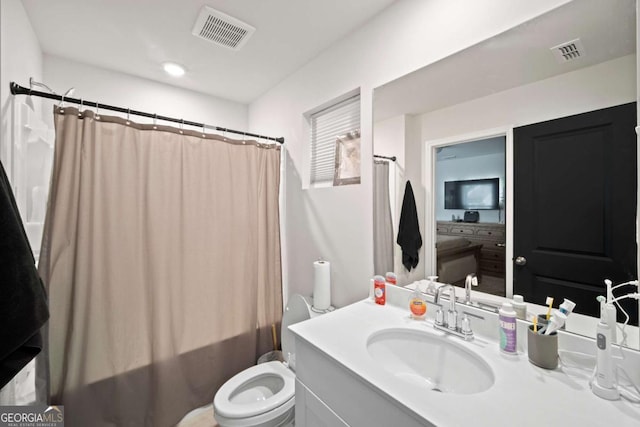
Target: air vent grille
x,y
568,51
221,29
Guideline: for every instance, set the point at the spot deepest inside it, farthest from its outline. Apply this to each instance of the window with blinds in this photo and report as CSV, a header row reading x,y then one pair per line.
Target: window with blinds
x,y
327,126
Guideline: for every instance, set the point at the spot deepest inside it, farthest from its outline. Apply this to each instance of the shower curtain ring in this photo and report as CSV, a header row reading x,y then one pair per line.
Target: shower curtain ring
x,y
61,105
80,110
97,111
128,113
155,121
181,126
204,135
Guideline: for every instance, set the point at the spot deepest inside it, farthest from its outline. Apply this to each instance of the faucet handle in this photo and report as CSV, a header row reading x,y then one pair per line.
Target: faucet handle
x,y
465,328
452,320
439,317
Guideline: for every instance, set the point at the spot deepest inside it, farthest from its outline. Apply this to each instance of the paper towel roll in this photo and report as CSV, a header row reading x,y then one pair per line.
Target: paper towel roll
x,y
321,285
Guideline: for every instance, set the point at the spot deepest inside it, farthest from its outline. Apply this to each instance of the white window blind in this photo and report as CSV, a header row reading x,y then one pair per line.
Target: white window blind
x,y
326,126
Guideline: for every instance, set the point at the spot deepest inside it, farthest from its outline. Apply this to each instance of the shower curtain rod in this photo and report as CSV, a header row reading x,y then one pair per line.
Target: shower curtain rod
x,y
16,89
392,158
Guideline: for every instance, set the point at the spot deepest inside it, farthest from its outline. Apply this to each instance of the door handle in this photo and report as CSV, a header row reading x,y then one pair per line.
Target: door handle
x,y
520,261
501,245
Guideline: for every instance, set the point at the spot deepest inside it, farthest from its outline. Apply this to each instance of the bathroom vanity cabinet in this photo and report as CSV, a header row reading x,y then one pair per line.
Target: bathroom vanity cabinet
x,y
339,381
328,394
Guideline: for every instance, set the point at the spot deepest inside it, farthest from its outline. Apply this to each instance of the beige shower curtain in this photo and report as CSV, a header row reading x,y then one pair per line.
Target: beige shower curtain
x,y
161,256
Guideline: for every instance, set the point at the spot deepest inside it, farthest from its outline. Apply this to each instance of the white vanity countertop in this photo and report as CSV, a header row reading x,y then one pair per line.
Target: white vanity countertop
x,y
522,394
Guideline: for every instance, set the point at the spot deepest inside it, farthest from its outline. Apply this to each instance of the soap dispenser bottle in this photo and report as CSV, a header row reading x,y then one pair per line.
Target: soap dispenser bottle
x,y
417,304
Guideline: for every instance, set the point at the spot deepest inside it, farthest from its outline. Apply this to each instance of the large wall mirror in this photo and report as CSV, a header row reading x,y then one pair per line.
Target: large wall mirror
x,y
467,116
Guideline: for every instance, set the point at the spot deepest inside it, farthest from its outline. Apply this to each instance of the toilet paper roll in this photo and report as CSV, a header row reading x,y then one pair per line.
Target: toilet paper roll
x,y
321,285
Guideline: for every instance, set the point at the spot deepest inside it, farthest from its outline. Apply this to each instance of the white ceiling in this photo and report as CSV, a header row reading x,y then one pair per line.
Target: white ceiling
x,y
136,36
519,56
480,147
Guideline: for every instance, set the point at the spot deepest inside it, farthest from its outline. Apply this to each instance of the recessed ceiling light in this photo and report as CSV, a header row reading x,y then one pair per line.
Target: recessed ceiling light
x,y
173,69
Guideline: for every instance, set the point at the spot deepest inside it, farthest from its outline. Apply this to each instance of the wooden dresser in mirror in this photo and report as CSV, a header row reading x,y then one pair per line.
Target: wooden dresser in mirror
x,y
464,248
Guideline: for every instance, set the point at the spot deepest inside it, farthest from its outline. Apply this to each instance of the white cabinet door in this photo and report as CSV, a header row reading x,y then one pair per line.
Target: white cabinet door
x,y
312,412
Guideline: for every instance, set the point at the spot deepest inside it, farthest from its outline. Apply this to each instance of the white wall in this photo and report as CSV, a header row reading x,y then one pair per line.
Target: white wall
x,y
123,90
600,86
389,141
20,58
336,223
477,167
389,138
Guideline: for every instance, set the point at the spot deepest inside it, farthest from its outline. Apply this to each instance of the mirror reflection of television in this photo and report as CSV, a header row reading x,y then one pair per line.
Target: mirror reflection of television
x,y
472,194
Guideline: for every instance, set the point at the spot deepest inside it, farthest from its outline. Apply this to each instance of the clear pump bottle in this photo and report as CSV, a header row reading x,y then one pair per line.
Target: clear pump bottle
x,y
417,304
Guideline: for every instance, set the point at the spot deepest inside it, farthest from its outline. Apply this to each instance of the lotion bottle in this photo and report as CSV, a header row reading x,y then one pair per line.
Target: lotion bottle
x,y
391,278
379,290
508,329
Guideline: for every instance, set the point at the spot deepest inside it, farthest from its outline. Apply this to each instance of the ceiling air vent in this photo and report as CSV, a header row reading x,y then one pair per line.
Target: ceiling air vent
x,y
221,29
568,51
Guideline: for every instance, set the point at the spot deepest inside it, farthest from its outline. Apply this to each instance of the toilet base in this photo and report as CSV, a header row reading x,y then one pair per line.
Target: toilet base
x,y
284,419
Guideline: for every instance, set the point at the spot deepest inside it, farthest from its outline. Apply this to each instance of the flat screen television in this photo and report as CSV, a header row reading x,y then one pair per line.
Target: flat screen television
x,y
472,194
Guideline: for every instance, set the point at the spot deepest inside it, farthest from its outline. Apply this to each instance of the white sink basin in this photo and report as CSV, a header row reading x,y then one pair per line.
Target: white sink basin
x,y
429,361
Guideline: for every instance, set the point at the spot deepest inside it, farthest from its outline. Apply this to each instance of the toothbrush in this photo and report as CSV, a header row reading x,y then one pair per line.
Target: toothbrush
x,y
535,324
549,303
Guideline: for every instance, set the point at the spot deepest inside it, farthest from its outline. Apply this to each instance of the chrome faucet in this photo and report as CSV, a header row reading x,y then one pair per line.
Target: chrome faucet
x,y
451,324
469,281
452,314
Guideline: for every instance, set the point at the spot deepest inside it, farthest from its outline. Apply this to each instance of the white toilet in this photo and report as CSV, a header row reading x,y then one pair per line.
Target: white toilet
x,y
264,395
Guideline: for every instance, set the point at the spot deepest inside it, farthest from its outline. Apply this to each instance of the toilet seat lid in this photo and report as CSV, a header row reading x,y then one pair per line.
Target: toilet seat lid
x,y
296,311
225,405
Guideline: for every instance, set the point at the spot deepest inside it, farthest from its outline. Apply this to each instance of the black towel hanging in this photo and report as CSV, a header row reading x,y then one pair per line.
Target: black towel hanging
x,y
23,305
409,237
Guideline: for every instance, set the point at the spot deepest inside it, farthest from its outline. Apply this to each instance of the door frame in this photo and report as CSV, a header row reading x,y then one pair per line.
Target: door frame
x,y
429,180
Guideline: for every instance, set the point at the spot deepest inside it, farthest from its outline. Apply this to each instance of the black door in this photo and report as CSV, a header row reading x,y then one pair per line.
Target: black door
x,y
575,208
